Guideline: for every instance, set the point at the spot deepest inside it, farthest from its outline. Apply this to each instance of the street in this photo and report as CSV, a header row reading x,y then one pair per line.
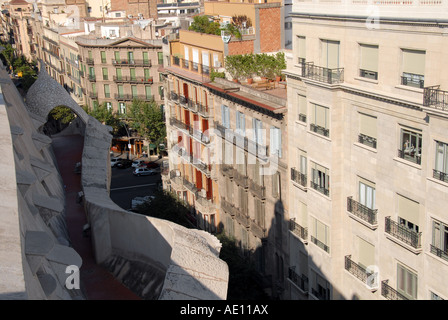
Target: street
x,y
125,186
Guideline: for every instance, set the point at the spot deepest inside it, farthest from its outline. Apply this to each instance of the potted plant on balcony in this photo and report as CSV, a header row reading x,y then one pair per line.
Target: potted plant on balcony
x,y
279,65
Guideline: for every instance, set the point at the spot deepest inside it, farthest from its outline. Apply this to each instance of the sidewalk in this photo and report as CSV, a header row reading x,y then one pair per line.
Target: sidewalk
x,y
97,283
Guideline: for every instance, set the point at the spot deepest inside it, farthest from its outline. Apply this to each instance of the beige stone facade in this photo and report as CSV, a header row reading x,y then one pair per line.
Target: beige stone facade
x,y
367,127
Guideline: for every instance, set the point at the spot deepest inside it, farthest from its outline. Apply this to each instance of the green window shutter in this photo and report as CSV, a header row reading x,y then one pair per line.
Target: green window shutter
x,y
132,73
134,91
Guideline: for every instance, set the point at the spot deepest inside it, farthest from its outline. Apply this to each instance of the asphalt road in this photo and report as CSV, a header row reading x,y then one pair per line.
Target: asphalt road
x,y
125,186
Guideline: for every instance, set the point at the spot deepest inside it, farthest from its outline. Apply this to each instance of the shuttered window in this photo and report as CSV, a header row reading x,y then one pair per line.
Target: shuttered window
x,y
406,282
330,54
414,61
369,61
301,52
366,253
408,213
301,102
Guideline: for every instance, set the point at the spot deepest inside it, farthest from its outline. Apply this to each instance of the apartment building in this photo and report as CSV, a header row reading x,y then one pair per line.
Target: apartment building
x,y
116,71
367,146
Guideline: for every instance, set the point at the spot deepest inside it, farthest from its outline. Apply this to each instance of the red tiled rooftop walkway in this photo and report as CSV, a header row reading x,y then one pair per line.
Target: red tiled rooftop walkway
x,y
97,282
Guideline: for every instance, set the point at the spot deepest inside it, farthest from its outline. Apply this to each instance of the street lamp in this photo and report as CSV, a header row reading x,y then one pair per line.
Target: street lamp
x,y
129,137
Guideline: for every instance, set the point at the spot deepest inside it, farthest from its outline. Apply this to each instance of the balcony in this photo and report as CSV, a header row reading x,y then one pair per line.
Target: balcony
x,y
93,95
90,61
435,98
131,97
320,130
257,190
390,293
132,63
368,278
227,170
228,207
203,110
189,185
257,230
298,177
366,140
404,234
126,79
322,74
298,230
301,281
174,96
364,213
242,217
92,78
183,99
241,179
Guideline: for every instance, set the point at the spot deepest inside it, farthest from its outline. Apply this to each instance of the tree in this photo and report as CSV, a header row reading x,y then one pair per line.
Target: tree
x,y
203,25
148,120
62,113
106,116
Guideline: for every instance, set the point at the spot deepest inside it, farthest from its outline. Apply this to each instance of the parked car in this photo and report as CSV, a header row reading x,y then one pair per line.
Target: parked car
x,y
114,161
143,172
138,163
152,165
124,163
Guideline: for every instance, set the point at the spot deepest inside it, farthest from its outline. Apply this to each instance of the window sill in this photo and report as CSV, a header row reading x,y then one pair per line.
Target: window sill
x,y
409,163
318,135
367,80
363,146
443,183
409,88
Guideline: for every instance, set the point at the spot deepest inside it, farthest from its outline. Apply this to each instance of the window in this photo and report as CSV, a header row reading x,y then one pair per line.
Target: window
x,y
276,181
258,131
132,74
366,253
134,91
109,106
103,56
145,58
240,123
105,74
225,116
408,213
118,73
301,50
120,91
320,120
130,57
160,58
92,72
117,56
195,59
413,68
186,57
406,282
276,141
411,144
106,91
259,212
330,54
122,108
368,67
301,108
320,234
367,193
320,178
441,163
439,244
367,130
148,92
205,62
147,74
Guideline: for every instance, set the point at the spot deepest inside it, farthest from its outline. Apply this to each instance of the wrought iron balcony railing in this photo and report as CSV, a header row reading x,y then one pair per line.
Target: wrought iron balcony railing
x,y
320,244
362,211
298,230
132,63
298,177
439,252
302,117
322,74
360,272
319,188
257,230
435,98
320,130
390,293
128,79
300,281
403,233
258,190
90,61
368,74
174,96
439,175
413,156
366,140
413,80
